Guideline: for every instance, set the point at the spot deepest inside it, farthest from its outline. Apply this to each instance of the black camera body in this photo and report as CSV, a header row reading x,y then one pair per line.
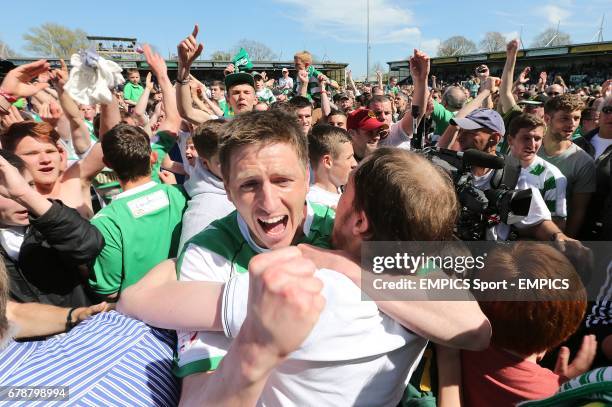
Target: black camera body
x,y
482,209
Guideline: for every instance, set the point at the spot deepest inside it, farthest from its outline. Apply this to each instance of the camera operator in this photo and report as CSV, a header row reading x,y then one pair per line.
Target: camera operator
x,y
482,129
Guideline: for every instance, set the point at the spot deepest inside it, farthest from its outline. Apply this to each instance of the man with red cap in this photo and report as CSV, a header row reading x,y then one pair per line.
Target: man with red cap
x,y
366,131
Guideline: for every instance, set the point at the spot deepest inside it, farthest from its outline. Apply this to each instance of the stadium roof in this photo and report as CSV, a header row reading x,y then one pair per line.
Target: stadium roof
x,y
95,38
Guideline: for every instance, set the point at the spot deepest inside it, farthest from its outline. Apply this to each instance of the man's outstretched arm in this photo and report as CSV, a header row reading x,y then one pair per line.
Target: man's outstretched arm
x,y
284,304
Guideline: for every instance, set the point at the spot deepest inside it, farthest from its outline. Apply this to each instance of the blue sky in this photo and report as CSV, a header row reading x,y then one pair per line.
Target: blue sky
x,y
331,29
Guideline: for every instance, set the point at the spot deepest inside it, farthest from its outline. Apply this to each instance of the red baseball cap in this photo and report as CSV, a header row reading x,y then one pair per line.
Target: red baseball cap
x,y
363,119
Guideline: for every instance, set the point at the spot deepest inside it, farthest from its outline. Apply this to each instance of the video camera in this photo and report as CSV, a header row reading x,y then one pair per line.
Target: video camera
x,y
482,209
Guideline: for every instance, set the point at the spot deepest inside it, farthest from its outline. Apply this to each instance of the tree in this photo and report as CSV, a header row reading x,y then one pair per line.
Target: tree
x,y
544,38
493,41
257,51
221,56
457,45
6,51
54,40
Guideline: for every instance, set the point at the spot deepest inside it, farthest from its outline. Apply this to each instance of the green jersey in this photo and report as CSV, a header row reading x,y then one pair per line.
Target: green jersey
x,y
225,247
141,228
132,92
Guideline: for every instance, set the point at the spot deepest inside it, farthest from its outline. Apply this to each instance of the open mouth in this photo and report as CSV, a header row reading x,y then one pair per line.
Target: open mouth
x,y
46,169
275,225
22,214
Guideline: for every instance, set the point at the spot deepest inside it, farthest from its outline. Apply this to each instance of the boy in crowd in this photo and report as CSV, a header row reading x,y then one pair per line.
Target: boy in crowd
x,y
525,139
133,89
303,110
337,118
208,197
331,157
562,116
304,67
508,371
217,92
143,212
264,94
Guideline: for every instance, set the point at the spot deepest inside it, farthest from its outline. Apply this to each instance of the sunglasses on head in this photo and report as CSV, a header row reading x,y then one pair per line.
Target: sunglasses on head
x,y
383,134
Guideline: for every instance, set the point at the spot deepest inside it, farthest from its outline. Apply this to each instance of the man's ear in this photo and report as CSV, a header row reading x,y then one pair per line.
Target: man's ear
x,y
547,119
494,139
153,157
361,225
327,161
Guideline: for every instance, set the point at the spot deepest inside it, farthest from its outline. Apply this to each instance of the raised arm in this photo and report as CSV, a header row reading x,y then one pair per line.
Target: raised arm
x,y
188,50
211,104
457,324
141,106
303,78
488,88
506,99
172,122
79,131
325,104
349,78
419,69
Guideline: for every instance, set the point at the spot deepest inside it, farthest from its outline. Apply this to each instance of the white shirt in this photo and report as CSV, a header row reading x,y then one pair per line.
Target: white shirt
x,y
600,144
538,212
322,196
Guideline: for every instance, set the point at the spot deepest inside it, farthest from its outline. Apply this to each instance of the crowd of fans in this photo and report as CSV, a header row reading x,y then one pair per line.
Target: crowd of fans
x,y
240,283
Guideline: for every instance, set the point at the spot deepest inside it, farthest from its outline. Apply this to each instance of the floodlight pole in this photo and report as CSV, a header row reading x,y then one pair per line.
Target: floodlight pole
x,y
368,41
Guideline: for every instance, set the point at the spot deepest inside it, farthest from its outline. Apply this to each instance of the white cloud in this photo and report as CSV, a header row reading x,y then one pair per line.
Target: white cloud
x,y
345,20
553,13
430,47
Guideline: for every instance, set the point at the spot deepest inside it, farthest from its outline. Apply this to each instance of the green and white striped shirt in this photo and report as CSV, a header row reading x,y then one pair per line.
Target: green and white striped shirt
x,y
550,181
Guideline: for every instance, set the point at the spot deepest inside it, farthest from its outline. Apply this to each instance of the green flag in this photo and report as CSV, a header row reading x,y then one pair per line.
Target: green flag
x,y
241,61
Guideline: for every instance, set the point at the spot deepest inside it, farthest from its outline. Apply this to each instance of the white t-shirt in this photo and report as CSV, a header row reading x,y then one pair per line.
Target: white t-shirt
x,y
397,137
538,212
355,355
600,144
322,196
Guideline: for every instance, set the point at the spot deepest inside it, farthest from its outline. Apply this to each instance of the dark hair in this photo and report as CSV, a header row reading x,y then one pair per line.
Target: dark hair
x,y
206,138
336,112
325,139
419,199
14,160
300,102
127,150
261,128
524,121
41,131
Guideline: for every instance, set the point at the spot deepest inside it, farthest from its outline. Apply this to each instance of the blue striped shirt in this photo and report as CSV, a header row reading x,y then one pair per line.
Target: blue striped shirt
x,y
108,360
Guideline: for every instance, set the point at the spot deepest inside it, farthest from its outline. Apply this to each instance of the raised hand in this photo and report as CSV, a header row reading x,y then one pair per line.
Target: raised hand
x,y
419,65
303,76
512,46
13,116
189,49
581,363
59,77
17,82
149,81
50,113
156,62
349,73
12,183
524,75
492,84
229,69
